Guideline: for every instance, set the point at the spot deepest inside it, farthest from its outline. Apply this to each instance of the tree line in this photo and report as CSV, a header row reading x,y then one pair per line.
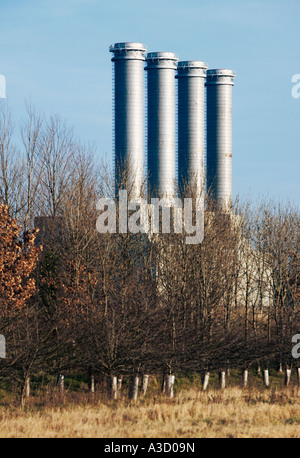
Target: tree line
x,y
130,305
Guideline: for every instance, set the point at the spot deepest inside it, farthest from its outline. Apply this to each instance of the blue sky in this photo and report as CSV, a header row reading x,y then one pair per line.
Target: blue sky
x,y
56,53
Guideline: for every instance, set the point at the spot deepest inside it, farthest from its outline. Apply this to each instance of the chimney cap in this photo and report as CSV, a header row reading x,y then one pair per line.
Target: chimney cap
x,y
128,46
192,64
220,72
162,56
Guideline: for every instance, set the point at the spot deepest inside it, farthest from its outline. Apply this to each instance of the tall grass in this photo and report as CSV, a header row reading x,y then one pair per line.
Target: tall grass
x,y
233,412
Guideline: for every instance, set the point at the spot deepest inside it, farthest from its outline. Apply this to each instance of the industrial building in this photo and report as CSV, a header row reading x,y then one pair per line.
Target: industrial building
x,y
191,125
129,114
219,134
202,119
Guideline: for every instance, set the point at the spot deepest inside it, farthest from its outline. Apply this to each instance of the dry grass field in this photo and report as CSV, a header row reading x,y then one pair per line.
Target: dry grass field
x,y
233,412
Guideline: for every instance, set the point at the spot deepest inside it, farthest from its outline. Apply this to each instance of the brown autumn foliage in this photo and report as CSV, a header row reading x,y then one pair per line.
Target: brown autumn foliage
x,y
18,258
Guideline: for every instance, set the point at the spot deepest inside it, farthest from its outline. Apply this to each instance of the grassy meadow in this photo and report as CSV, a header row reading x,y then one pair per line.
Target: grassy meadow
x,y
234,412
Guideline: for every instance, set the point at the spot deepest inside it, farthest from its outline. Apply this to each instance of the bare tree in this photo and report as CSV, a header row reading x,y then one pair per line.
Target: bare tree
x,y
10,164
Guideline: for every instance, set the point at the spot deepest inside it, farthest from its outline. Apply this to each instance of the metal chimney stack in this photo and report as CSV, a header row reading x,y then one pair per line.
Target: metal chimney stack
x,y
161,68
219,135
128,114
191,125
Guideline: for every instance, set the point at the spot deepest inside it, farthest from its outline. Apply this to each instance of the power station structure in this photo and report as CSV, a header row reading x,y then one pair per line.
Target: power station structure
x,y
199,118
219,134
129,114
161,141
191,125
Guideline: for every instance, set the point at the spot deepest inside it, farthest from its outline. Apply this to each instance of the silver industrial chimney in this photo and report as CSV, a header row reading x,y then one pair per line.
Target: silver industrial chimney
x,y
161,68
219,135
191,125
128,114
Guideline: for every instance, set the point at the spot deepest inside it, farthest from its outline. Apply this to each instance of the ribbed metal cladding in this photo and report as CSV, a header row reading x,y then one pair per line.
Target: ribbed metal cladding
x,y
219,84
161,68
128,113
191,124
